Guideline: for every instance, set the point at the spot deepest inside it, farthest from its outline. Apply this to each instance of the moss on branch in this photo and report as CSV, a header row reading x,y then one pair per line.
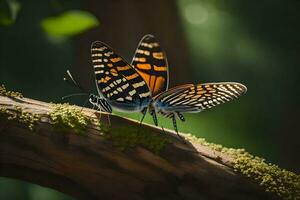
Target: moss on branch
x,y
5,92
272,178
65,116
26,118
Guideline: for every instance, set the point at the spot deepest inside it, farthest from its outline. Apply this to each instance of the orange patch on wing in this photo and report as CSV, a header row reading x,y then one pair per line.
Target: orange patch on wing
x,y
145,76
160,68
114,72
132,76
141,59
152,82
158,85
115,59
143,66
104,80
123,68
201,92
158,55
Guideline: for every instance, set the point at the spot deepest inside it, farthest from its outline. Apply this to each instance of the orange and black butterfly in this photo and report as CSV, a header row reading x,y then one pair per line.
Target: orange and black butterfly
x,y
143,84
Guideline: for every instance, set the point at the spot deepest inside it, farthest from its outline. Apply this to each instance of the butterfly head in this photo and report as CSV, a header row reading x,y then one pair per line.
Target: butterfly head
x,y
100,103
92,98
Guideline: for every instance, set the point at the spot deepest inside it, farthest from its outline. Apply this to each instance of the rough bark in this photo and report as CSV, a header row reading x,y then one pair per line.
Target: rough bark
x,y
88,166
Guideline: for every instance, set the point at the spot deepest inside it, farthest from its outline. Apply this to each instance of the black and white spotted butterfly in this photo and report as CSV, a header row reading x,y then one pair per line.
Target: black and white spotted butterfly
x,y
143,85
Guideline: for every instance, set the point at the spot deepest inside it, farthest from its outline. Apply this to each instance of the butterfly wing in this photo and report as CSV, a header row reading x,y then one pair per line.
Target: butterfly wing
x,y
150,62
117,81
195,98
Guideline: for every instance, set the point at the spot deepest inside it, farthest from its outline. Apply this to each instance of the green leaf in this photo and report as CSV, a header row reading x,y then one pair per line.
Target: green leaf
x,y
8,11
69,23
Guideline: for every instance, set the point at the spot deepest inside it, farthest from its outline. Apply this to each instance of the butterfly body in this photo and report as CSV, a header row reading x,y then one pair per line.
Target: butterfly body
x,y
135,105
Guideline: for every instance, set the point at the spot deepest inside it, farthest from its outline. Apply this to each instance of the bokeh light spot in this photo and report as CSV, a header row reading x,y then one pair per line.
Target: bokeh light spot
x,y
195,14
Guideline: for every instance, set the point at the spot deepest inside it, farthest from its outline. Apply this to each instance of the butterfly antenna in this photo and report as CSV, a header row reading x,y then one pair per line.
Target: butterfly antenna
x,y
69,79
75,94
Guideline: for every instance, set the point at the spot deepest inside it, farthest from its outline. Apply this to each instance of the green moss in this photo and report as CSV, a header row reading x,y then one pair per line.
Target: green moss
x,y
5,92
126,137
279,181
65,116
29,119
284,183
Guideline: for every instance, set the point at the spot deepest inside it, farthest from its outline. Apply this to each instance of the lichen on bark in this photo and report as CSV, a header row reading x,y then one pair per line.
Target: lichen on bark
x,y
66,116
26,118
5,92
272,178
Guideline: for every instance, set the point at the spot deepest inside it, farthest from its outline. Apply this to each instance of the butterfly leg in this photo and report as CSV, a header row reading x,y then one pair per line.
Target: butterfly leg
x,y
162,128
180,116
92,109
153,113
99,108
176,129
85,102
144,111
154,116
108,119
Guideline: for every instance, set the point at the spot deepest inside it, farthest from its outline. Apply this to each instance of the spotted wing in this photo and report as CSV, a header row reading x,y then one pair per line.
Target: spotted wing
x,y
116,80
195,98
150,62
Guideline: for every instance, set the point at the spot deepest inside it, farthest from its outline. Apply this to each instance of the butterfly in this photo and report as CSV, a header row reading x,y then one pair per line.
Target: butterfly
x,y
143,84
102,101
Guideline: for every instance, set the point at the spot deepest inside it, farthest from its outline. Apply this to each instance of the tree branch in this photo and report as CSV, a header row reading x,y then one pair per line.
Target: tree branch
x,y
91,164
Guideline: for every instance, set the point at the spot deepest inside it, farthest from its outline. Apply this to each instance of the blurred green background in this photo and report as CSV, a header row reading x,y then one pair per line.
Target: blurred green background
x,y
253,42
